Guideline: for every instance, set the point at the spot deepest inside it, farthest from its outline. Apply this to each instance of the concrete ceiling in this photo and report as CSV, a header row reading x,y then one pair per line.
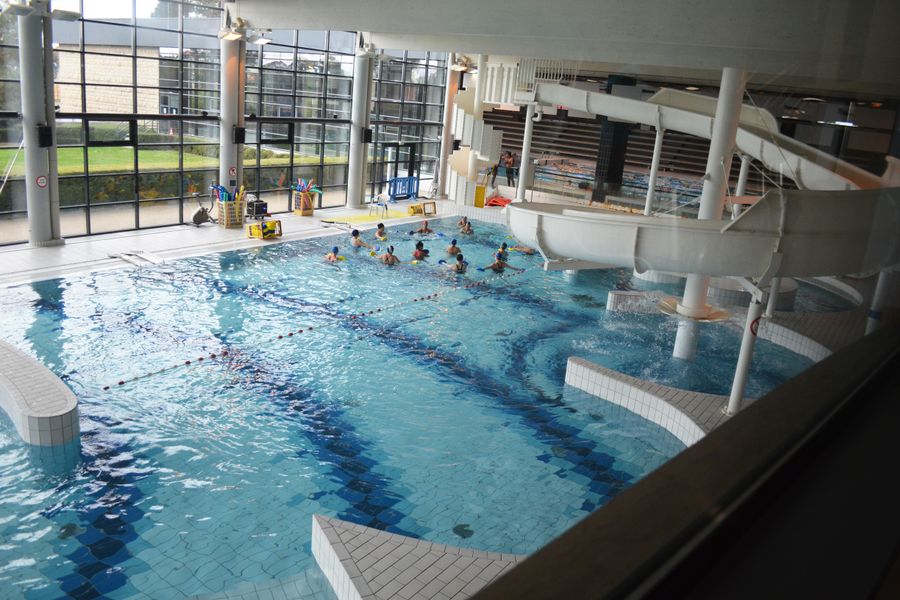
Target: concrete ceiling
x,y
836,45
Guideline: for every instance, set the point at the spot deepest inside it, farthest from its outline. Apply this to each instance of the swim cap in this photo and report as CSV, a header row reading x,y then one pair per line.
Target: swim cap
x,y
452,242
390,249
503,246
355,233
420,245
334,250
459,257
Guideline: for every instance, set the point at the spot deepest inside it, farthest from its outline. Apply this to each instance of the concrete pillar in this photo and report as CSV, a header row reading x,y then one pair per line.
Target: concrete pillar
x,y
232,79
881,291
654,169
41,185
443,170
745,358
476,115
718,165
741,188
774,288
359,122
525,162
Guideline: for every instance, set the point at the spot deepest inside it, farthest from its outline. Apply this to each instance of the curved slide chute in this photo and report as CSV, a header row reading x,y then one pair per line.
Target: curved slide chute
x,y
785,234
757,134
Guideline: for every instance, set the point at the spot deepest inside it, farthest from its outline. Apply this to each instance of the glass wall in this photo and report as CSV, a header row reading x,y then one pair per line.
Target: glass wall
x,y
298,115
406,117
137,91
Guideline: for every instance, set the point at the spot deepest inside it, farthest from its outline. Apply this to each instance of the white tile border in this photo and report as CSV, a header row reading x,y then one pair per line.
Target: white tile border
x,y
41,407
649,400
362,563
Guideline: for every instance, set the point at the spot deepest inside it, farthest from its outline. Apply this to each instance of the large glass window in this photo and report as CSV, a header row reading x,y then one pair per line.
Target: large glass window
x,y
137,89
407,116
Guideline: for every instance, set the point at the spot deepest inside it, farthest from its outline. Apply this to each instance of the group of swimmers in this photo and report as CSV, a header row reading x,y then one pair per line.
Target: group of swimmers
x,y
459,265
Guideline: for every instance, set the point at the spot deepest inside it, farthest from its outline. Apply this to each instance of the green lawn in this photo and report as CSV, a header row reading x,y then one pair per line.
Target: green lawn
x,y
118,159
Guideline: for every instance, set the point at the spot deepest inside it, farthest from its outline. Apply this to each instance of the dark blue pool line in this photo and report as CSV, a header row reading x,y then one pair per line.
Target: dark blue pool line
x,y
372,497
107,516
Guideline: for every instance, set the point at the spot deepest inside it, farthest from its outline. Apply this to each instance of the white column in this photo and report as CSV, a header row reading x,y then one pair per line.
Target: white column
x,y
43,224
881,291
233,57
741,188
654,169
477,116
692,305
745,358
525,161
721,146
718,165
359,121
774,288
443,172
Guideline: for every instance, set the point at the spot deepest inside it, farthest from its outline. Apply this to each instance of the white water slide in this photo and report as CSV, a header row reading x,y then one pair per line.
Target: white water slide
x,y
757,135
787,233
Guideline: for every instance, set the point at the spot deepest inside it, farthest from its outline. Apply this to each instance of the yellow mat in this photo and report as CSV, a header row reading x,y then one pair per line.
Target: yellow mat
x,y
391,214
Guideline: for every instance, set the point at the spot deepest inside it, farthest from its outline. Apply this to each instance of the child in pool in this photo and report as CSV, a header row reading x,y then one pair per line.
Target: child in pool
x,y
460,265
465,226
380,233
420,252
453,249
333,255
424,228
388,257
356,241
503,252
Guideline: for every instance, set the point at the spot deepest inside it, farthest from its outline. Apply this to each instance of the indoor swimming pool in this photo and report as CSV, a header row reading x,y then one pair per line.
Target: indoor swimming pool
x,y
404,398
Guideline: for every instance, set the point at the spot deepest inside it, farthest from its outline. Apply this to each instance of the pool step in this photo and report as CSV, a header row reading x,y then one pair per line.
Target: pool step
x,y
363,563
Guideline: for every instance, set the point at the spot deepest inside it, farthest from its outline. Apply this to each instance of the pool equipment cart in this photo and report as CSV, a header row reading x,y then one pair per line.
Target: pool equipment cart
x,y
202,214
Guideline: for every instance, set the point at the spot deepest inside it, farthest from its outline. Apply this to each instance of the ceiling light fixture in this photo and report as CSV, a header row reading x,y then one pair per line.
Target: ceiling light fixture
x,y
462,64
236,31
692,88
812,99
259,38
64,15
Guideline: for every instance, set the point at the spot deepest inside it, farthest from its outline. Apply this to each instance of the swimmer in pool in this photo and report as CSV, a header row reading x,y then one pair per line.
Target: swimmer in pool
x,y
499,265
453,249
503,251
460,265
380,233
424,228
465,226
388,257
333,255
420,252
356,241
522,249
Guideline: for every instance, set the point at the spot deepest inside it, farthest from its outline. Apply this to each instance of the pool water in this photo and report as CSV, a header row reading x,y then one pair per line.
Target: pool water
x,y
443,418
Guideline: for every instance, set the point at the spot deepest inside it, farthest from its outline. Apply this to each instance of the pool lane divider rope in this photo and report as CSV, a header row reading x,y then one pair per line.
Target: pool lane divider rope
x,y
226,355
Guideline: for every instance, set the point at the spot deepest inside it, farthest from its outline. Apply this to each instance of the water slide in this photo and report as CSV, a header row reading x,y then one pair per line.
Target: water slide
x,y
785,234
757,134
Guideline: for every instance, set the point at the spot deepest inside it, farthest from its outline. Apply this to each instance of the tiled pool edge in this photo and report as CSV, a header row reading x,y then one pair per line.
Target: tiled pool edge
x,y
42,408
687,415
362,563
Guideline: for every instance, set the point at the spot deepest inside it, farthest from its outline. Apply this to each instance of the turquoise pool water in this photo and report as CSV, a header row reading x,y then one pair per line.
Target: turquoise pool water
x,y
443,418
